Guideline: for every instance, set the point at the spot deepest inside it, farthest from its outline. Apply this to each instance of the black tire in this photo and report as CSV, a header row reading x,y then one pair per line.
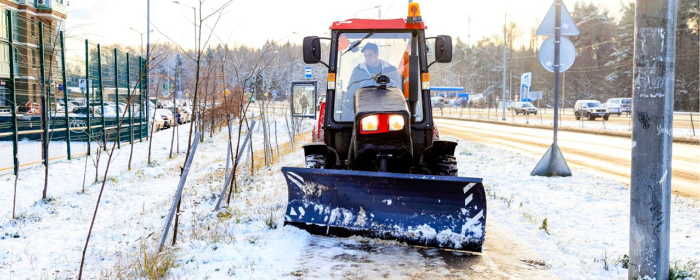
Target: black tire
x,y
619,114
577,116
606,117
445,166
517,112
590,117
315,161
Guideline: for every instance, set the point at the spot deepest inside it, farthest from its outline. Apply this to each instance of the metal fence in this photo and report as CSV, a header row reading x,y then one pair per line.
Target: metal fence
x,y
62,97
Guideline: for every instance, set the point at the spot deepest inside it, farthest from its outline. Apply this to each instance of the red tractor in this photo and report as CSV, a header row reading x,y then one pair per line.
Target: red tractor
x,y
380,169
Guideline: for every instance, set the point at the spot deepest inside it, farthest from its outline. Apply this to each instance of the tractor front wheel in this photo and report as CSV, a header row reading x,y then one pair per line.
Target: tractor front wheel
x,y
445,165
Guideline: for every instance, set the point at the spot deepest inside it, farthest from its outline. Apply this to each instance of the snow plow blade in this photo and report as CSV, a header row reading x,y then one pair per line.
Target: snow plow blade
x,y
426,210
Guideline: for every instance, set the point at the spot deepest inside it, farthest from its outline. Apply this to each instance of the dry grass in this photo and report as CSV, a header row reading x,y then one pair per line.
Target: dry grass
x,y
153,265
146,264
285,148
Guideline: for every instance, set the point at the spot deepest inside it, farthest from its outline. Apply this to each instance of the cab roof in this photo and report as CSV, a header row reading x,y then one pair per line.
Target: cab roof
x,y
358,24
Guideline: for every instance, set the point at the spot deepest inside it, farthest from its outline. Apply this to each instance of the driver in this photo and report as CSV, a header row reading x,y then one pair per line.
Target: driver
x,y
364,73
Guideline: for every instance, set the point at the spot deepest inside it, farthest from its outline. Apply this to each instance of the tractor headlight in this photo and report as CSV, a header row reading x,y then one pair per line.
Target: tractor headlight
x,y
369,123
396,122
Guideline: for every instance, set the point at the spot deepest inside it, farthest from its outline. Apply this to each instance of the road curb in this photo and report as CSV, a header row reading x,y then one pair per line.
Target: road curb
x,y
621,134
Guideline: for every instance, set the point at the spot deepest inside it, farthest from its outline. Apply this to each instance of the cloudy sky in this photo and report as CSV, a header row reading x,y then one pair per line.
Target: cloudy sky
x,y
253,22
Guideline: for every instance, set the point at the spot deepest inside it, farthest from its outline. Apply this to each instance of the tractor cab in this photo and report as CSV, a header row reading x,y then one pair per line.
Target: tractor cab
x,y
377,115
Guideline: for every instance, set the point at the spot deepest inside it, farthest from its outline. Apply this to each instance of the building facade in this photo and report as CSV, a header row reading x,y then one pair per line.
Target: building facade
x,y
25,18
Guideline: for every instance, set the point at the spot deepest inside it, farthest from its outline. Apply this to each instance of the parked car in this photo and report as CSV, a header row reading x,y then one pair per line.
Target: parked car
x,y
437,101
71,104
109,111
626,105
81,112
113,108
167,116
188,112
179,114
158,123
525,108
618,105
591,109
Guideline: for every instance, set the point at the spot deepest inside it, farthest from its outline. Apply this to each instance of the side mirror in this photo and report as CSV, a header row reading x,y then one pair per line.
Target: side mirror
x,y
312,50
443,49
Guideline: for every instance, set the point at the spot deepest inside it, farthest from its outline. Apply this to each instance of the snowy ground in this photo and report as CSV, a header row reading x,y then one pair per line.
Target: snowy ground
x,y
587,222
587,216
47,238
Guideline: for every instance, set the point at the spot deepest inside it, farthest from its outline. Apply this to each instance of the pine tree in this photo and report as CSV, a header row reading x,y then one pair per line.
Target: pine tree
x,y
622,59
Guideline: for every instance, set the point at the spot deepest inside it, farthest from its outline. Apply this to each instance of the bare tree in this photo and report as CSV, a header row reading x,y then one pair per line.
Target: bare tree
x,y
110,154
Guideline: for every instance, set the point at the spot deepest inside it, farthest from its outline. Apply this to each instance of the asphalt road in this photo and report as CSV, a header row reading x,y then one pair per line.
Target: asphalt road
x,y
605,155
681,120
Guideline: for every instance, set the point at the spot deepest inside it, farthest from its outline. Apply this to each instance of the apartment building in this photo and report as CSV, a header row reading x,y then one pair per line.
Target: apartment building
x,y
25,18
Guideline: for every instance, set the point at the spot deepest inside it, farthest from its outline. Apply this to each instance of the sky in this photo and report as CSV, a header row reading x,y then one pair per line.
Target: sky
x,y
253,22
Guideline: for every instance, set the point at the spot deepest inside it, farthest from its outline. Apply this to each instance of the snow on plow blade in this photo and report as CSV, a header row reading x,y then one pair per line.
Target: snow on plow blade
x,y
427,210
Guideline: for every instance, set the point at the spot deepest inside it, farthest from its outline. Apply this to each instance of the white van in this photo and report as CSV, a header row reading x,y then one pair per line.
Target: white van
x,y
618,105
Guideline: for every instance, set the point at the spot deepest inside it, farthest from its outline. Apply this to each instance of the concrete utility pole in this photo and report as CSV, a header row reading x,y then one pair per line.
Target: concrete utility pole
x,y
505,27
650,186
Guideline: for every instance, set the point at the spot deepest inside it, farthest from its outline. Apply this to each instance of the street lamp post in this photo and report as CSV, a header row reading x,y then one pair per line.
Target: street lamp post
x,y
140,33
378,7
194,21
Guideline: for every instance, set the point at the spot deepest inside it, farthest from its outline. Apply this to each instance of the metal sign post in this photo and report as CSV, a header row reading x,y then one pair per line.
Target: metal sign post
x,y
652,138
553,162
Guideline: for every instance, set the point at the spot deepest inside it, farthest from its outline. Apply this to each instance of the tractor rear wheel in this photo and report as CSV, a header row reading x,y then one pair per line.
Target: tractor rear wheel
x,y
445,165
315,161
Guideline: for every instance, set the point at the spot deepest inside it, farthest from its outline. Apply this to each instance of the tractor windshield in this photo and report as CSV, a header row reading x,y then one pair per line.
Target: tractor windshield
x,y
364,56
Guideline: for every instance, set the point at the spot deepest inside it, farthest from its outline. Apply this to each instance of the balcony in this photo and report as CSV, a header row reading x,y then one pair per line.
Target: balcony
x,y
55,5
